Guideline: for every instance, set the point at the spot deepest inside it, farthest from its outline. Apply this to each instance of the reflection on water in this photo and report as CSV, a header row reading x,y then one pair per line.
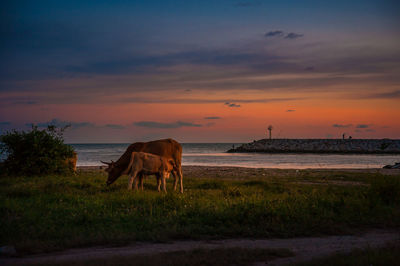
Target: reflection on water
x,y
296,161
213,154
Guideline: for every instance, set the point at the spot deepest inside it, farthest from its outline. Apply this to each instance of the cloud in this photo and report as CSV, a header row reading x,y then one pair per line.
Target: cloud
x,y
165,72
275,33
152,63
212,117
58,123
204,100
342,126
113,126
210,124
25,102
290,110
81,124
54,122
293,35
153,124
384,95
4,126
75,125
280,33
84,72
362,126
232,104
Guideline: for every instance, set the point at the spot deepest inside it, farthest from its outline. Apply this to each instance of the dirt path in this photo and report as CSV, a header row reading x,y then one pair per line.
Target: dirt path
x,y
304,248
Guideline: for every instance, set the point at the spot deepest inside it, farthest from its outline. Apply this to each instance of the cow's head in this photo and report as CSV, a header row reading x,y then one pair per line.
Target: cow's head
x,y
167,168
171,165
113,172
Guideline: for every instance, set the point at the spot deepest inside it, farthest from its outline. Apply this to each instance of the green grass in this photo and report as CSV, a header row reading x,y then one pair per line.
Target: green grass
x,y
219,256
387,256
56,212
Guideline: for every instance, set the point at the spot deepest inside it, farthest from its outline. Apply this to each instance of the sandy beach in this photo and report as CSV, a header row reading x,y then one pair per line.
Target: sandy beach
x,y
236,172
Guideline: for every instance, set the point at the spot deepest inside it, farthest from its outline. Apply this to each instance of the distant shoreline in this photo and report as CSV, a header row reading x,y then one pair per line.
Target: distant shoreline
x,y
313,152
321,146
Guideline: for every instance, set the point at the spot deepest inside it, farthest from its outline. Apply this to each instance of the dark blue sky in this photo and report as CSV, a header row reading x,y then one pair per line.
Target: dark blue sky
x,y
46,38
86,52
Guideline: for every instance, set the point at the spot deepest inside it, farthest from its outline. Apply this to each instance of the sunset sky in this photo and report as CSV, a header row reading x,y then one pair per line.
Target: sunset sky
x,y
201,71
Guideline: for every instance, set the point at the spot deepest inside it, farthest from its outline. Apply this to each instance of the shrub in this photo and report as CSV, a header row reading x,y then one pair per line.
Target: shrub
x,y
36,152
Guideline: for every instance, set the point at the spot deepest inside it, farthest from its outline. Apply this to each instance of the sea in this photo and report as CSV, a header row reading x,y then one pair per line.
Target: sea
x,y
214,154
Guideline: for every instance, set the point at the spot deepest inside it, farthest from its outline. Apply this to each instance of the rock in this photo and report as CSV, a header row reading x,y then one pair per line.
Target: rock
x,y
395,166
321,146
8,250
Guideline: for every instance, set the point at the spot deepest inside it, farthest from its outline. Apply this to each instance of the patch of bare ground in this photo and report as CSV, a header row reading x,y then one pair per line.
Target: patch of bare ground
x,y
304,249
332,182
210,171
230,171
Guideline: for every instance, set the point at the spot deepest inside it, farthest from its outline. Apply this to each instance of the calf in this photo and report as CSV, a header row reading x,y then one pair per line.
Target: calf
x,y
143,163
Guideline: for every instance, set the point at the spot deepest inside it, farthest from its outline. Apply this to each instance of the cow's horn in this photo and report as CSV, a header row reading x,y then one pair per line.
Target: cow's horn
x,y
105,163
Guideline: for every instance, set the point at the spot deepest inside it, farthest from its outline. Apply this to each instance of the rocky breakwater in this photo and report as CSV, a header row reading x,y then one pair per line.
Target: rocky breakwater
x,y
383,146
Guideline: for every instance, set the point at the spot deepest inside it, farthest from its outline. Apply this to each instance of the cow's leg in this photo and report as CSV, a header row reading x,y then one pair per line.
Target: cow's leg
x,y
180,178
141,177
164,184
158,182
136,182
175,174
131,180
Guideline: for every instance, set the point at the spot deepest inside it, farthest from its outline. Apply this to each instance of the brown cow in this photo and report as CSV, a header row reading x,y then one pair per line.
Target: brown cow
x,y
149,164
71,162
167,148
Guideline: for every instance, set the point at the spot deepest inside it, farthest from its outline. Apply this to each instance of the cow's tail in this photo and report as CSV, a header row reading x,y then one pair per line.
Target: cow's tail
x,y
178,158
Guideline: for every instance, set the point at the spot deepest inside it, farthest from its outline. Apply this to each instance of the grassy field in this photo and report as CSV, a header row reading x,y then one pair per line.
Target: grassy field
x,y
56,212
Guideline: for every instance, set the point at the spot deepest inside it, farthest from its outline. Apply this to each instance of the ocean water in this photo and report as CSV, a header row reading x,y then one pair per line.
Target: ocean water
x,y
214,154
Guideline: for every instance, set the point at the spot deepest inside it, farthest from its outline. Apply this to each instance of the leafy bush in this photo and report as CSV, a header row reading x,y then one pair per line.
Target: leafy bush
x,y
36,152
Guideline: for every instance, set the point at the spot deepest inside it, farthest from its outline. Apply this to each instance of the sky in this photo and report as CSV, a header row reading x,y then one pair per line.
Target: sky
x,y
201,71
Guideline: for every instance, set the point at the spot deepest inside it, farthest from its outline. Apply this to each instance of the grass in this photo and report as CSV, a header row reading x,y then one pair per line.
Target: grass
x,y
220,256
56,212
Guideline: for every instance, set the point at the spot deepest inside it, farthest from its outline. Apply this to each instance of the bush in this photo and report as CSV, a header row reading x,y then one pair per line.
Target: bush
x,y
36,152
